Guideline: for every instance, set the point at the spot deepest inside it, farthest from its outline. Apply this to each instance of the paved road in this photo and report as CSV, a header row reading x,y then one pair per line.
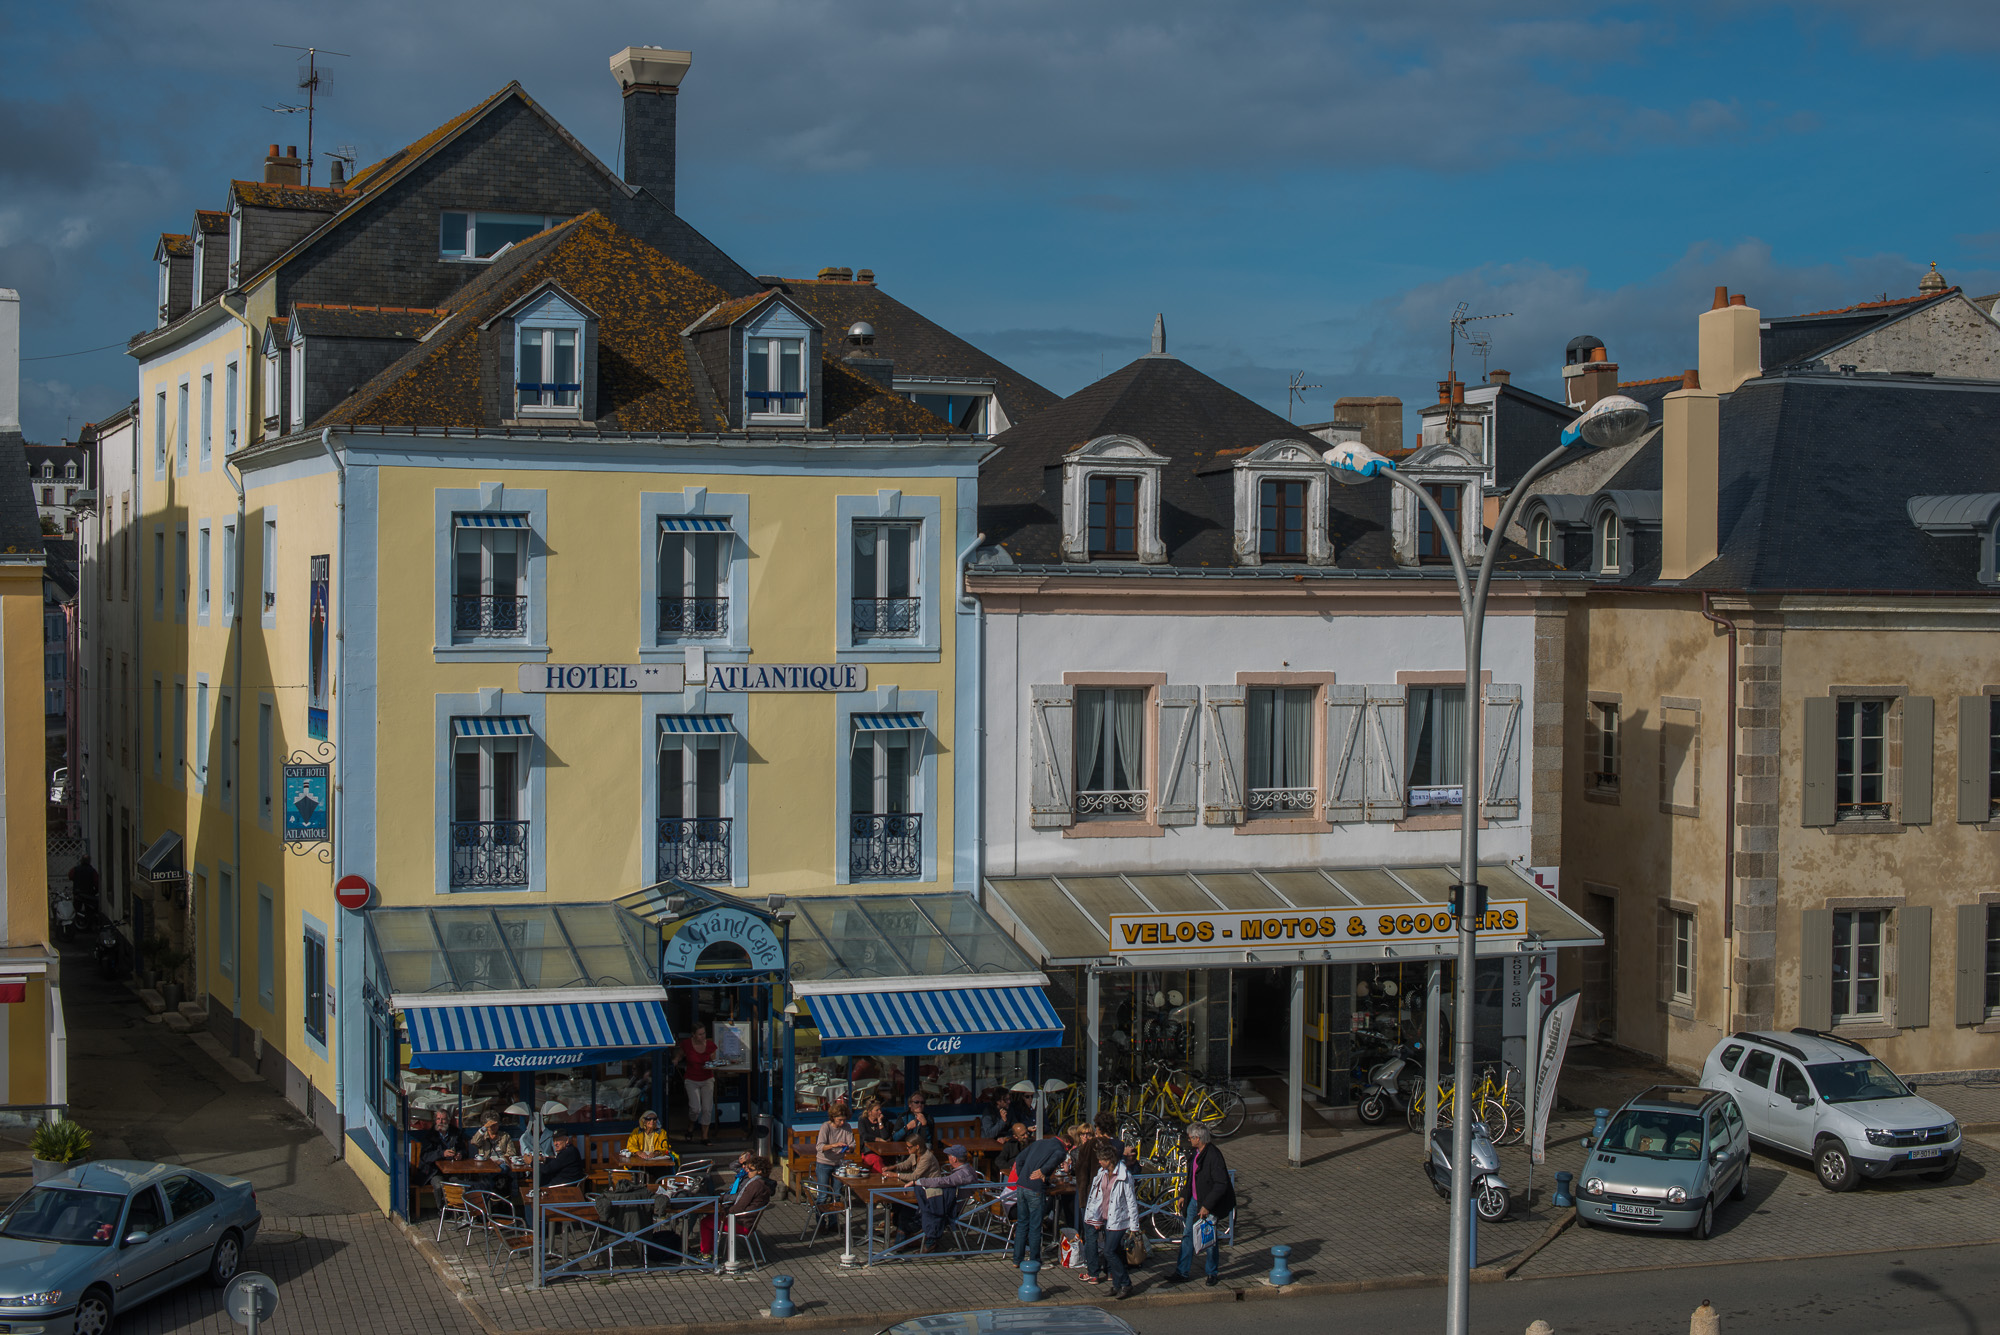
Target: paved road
x,y
1949,1291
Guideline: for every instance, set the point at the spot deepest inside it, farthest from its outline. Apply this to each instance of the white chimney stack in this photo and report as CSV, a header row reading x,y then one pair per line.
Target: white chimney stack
x,y
10,359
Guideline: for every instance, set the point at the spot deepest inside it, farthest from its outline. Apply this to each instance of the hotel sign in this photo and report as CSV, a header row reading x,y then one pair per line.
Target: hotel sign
x,y
1158,933
745,677
603,678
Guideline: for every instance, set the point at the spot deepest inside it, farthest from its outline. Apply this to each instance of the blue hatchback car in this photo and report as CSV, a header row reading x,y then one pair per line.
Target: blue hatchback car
x,y
90,1243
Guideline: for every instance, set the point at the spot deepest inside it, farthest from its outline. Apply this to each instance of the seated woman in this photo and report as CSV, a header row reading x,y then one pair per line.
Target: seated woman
x,y
754,1194
919,1160
649,1140
874,1125
491,1141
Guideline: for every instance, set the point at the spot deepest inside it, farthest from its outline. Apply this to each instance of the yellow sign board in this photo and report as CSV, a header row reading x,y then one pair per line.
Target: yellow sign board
x,y
1158,933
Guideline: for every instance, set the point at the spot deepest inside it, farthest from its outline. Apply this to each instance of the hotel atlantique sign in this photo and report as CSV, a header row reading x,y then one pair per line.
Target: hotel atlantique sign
x,y
1157,933
671,678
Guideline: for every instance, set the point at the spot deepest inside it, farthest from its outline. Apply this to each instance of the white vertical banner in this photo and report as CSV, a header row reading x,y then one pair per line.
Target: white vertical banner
x,y
1556,1027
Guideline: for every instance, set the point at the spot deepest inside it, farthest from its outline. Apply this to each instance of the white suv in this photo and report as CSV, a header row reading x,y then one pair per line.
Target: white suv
x,y
1825,1097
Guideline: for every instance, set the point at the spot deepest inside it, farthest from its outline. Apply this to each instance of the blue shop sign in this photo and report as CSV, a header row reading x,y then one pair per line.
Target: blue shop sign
x,y
747,932
308,804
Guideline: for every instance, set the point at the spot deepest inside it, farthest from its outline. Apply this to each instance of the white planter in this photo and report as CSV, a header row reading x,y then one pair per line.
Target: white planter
x,y
48,1168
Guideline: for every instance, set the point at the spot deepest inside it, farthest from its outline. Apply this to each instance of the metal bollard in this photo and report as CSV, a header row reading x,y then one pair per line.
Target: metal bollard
x,y
1281,1269
781,1299
733,1266
847,1261
1563,1198
1030,1291
1602,1115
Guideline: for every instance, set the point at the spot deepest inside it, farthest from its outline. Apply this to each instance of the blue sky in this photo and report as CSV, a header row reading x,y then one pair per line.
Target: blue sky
x,y
1298,186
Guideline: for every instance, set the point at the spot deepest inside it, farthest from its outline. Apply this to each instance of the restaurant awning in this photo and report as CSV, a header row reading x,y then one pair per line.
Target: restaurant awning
x,y
162,859
1068,920
518,1037
893,1022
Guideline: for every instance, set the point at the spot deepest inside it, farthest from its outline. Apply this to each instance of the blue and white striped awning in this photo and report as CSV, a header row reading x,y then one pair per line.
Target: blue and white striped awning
x,y
532,1038
695,524
682,724
489,521
888,722
503,725
889,1024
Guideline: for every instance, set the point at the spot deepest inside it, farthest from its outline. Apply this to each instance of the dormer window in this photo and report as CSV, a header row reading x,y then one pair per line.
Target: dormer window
x,y
552,356
1114,517
235,244
1281,506
1433,547
1543,535
1281,520
1610,544
1111,502
199,251
48,471
774,378
166,283
69,472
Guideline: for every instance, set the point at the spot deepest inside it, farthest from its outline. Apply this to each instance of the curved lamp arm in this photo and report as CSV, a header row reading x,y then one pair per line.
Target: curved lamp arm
x,y
1354,463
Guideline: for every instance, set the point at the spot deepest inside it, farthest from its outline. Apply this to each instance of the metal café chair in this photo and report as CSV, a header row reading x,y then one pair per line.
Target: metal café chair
x,y
823,1205
451,1205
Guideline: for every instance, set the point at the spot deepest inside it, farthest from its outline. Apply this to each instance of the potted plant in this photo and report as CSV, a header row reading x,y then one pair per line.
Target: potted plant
x,y
58,1147
171,963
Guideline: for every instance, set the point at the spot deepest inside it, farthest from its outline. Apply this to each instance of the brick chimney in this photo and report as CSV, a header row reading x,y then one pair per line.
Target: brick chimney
x,y
1730,339
1381,419
650,80
282,168
1499,377
1690,453
10,359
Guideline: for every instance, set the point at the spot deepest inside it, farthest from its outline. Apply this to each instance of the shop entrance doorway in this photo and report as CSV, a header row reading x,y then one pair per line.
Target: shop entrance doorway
x,y
1261,1007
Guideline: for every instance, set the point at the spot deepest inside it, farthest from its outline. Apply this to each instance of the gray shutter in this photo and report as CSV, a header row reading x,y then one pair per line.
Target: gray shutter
x,y
1816,799
1385,727
1051,754
1179,780
1346,754
1816,967
1222,766
1501,793
1593,746
1919,746
1971,1000
1913,967
1975,733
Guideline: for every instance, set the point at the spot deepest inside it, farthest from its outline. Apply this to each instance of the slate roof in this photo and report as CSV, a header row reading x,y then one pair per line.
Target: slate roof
x,y
20,526
330,321
1791,339
177,243
60,567
315,198
1817,472
645,382
729,312
1203,427
916,345
212,221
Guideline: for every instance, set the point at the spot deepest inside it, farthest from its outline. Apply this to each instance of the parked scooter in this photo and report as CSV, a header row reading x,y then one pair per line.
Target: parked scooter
x,y
1490,1193
1392,1083
63,910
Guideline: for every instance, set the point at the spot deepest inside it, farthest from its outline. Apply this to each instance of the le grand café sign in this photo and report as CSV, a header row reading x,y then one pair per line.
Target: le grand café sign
x,y
671,678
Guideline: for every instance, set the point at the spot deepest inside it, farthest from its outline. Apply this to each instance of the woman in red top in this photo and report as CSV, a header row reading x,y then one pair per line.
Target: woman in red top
x,y
694,1054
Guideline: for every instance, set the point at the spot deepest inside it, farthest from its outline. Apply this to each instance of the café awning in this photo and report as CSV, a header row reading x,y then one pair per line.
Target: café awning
x,y
894,1022
518,1037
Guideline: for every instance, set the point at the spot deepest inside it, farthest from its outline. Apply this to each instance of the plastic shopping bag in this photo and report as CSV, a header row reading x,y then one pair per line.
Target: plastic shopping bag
x,y
1204,1234
1069,1249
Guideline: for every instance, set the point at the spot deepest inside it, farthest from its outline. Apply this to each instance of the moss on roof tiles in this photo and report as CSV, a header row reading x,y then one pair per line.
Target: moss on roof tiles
x,y
177,243
316,198
212,220
729,312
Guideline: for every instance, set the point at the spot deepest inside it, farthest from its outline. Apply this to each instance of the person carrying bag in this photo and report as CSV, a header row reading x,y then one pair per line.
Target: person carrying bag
x,y
1207,1198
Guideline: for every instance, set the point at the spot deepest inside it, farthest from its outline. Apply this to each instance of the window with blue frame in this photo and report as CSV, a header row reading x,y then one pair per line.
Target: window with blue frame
x,y
774,378
551,371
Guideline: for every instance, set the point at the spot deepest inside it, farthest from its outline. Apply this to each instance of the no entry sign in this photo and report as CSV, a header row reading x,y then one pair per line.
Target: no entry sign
x,y
353,892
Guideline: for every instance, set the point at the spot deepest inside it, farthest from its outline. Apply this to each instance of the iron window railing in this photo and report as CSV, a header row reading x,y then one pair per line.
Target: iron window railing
x,y
694,848
691,617
888,618
1112,803
489,615
489,852
885,847
1282,801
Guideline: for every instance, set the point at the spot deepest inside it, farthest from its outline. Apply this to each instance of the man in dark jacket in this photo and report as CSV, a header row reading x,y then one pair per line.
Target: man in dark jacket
x,y
1206,1193
1034,1168
443,1142
565,1167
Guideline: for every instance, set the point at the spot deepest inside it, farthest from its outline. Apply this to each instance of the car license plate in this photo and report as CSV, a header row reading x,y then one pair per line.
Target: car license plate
x,y
1636,1211
1932,1153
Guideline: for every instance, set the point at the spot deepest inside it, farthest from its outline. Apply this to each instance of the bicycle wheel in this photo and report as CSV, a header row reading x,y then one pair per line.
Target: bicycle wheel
x,y
1493,1114
1517,1122
1234,1111
1415,1112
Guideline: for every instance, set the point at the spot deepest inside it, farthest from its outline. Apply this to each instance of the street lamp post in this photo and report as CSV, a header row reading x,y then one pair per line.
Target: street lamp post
x,y
1611,421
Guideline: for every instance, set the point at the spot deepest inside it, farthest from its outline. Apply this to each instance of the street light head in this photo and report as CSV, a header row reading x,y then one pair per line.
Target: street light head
x,y
1612,421
1353,463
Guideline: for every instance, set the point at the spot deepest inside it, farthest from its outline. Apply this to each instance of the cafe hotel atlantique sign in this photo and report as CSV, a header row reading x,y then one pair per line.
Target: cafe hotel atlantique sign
x,y
1309,933
671,678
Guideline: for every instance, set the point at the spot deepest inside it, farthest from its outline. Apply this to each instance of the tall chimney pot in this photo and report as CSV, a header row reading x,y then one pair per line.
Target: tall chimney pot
x,y
1738,299
1600,354
281,168
1721,298
649,79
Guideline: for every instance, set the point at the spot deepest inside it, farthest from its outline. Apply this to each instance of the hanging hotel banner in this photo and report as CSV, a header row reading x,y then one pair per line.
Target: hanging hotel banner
x,y
603,678
1160,933
308,804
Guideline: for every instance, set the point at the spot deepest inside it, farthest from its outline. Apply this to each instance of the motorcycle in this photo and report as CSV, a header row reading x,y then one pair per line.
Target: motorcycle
x,y
64,909
1490,1193
1391,1084
110,952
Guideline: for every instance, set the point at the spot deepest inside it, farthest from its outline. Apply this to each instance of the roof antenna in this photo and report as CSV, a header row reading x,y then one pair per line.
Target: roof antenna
x,y
309,81
1459,320
1160,334
1296,392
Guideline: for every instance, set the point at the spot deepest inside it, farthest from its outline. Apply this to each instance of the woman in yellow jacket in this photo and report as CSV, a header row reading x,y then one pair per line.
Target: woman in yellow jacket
x,y
649,1140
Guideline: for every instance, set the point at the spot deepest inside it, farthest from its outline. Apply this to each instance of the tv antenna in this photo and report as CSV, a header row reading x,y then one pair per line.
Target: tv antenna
x,y
1295,392
309,80
1477,338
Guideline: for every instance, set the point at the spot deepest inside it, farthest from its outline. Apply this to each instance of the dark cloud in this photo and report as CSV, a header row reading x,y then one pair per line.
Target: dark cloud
x,y
48,143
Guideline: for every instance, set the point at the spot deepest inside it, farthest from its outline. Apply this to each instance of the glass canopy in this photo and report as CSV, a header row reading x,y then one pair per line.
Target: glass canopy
x,y
898,936
528,949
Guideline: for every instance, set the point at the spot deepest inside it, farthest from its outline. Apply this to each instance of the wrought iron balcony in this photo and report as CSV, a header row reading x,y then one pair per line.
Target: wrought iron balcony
x,y
489,615
887,618
694,618
489,852
885,848
694,848
1282,801
1110,804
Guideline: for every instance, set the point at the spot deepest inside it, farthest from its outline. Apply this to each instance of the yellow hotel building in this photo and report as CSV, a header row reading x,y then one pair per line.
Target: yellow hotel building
x,y
596,563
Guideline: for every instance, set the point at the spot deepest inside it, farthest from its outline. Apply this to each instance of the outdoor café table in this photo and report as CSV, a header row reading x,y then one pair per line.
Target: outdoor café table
x,y
649,1167
472,1167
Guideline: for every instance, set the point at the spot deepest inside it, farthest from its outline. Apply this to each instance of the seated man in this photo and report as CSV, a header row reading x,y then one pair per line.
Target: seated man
x,y
937,1197
565,1167
917,1122
443,1143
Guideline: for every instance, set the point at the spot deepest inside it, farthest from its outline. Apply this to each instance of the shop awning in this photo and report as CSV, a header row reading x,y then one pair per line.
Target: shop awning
x,y
162,859
695,524
476,520
533,1037
888,722
505,725
1068,920
943,1020
682,725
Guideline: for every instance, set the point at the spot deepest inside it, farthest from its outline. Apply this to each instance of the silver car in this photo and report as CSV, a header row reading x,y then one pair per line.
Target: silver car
x,y
1665,1161
89,1243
